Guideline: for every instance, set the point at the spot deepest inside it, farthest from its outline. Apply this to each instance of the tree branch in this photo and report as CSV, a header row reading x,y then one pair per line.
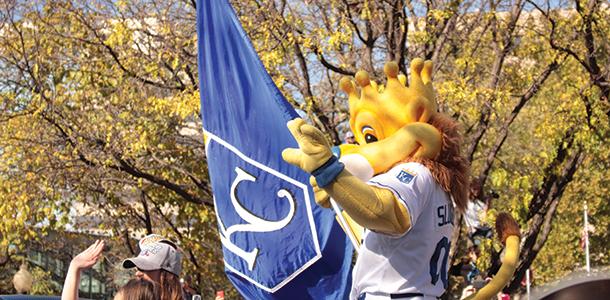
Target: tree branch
x,y
541,224
504,130
126,167
501,54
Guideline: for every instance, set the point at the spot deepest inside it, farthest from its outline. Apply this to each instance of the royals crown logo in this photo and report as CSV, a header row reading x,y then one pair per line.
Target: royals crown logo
x,y
378,112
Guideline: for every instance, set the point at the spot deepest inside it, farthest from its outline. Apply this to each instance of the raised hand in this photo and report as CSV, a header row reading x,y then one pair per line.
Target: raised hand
x,y
314,149
88,257
82,261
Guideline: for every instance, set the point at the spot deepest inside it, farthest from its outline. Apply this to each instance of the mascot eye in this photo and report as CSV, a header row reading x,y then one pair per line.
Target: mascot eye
x,y
369,134
369,138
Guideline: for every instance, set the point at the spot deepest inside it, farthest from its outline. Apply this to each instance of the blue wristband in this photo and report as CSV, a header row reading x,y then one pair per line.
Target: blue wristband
x,y
326,173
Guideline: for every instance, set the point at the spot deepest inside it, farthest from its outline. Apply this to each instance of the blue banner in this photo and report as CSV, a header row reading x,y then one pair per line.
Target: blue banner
x,y
277,243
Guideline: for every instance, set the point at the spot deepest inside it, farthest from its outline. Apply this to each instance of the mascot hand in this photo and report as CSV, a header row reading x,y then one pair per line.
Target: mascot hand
x,y
322,198
314,149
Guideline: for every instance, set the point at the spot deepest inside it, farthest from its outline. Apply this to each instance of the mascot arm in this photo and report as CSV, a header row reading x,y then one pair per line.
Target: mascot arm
x,y
508,231
509,264
373,208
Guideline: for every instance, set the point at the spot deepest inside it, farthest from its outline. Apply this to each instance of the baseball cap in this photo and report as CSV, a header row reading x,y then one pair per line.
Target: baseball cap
x,y
156,253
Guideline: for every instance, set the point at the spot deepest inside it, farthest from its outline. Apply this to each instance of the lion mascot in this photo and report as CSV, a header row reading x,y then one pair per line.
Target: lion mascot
x,y
401,183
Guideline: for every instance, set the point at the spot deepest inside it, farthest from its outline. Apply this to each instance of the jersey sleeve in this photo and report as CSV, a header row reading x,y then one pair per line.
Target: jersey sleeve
x,y
411,184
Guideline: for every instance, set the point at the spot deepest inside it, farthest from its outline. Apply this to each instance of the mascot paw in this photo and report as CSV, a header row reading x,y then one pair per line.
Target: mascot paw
x,y
314,149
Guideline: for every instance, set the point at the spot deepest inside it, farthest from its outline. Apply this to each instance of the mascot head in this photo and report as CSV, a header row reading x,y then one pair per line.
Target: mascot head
x,y
376,115
398,123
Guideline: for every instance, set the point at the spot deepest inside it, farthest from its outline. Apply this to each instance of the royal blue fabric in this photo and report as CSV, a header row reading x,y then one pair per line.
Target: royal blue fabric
x,y
277,243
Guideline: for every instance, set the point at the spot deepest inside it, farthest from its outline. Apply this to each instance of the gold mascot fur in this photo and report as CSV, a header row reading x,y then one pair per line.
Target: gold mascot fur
x,y
394,125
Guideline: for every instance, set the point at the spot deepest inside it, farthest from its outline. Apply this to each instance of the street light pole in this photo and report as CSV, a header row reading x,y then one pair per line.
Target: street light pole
x,y
587,240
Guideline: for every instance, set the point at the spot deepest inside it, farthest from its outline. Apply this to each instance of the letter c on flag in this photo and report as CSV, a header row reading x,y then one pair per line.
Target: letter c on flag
x,y
255,223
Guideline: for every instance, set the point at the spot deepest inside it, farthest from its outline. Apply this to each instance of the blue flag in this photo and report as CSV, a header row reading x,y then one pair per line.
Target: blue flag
x,y
277,243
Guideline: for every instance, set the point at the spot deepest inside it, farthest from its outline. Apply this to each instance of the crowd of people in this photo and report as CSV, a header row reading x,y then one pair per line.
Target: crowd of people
x,y
157,277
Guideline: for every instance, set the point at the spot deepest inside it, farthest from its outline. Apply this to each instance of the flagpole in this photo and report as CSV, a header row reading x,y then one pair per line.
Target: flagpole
x,y
527,282
587,240
345,225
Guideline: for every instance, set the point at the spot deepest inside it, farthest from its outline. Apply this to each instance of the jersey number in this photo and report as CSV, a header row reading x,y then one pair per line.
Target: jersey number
x,y
443,244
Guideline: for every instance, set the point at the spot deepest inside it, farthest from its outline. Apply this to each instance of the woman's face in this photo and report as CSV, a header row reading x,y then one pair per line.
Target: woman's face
x,y
153,276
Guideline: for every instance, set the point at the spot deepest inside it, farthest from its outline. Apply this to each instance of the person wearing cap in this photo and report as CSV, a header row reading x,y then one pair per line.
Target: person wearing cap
x,y
135,289
159,261
349,138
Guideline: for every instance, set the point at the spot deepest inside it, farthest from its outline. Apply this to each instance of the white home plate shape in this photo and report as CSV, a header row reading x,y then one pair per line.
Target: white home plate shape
x,y
266,224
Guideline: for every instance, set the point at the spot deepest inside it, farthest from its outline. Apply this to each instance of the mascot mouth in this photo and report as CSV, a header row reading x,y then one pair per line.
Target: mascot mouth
x,y
416,139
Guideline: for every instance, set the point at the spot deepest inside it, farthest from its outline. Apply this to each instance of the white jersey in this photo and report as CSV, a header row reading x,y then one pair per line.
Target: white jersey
x,y
473,214
415,262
